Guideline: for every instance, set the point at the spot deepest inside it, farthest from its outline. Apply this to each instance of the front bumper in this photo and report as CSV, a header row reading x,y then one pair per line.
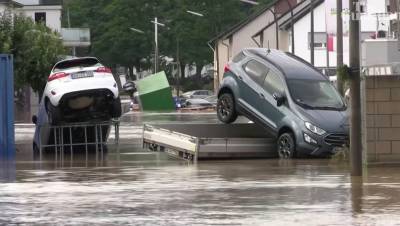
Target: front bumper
x,y
324,145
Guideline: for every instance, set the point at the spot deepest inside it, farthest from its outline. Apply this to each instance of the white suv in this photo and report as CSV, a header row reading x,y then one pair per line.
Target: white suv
x,y
81,89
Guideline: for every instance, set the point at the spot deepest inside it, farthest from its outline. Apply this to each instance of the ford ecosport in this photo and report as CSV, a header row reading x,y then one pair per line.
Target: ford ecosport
x,y
289,97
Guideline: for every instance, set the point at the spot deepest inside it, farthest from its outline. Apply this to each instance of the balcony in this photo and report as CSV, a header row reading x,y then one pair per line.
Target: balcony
x,y
76,37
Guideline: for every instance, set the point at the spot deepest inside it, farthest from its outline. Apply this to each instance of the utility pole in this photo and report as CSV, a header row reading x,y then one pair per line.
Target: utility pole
x,y
178,64
156,45
339,44
312,32
355,94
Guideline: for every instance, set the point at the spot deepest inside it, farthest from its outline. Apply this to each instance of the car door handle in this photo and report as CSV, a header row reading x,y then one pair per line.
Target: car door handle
x,y
262,96
240,77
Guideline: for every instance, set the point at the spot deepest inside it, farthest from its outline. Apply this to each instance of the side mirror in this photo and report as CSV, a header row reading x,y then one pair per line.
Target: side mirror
x,y
129,87
34,119
280,99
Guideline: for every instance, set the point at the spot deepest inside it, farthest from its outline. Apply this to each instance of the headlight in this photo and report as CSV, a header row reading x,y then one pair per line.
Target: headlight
x,y
314,129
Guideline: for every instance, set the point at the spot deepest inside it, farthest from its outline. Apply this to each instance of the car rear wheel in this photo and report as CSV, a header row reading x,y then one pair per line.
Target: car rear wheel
x,y
53,113
116,110
286,146
226,110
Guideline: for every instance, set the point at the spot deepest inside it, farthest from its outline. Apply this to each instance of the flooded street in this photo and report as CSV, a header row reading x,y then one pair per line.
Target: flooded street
x,y
132,186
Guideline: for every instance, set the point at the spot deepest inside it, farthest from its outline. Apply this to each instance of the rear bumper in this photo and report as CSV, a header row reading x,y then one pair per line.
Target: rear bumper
x,y
62,89
100,109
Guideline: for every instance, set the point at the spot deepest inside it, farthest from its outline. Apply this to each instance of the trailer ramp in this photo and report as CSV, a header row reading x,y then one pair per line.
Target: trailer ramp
x,y
209,141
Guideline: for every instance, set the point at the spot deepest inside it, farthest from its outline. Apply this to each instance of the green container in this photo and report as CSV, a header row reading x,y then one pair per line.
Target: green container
x,y
155,93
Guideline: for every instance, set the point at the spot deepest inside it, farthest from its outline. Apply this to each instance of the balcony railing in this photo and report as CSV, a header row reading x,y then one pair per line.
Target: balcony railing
x,y
76,37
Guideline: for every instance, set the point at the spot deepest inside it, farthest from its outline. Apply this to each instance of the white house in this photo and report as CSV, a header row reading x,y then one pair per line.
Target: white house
x,y
374,18
46,11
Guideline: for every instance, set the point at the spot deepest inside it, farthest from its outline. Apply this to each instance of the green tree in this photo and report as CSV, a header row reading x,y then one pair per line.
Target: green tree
x,y
115,44
35,49
5,32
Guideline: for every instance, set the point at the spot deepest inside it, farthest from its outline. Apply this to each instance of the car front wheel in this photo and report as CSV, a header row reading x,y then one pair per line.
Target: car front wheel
x,y
226,110
286,146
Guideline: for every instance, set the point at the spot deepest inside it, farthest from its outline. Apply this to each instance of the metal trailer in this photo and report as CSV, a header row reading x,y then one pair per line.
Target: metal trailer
x,y
63,137
206,141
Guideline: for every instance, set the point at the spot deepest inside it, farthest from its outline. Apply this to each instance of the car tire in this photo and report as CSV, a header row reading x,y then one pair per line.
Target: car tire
x,y
116,110
286,146
53,113
226,109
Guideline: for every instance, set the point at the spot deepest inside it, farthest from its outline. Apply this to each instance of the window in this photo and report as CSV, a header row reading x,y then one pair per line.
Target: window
x,y
40,18
363,6
319,40
256,71
273,83
240,56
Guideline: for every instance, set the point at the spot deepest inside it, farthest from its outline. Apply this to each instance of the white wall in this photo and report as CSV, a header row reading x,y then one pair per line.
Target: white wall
x,y
53,15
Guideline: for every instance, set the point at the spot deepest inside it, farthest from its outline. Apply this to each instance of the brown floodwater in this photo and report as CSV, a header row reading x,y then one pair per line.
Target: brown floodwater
x,y
132,186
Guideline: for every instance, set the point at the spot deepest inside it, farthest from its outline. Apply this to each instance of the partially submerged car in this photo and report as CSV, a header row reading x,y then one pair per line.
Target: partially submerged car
x,y
81,89
289,97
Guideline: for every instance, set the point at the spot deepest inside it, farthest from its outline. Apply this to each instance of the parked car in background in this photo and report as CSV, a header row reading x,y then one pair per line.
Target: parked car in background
x,y
81,89
289,97
197,102
197,94
212,99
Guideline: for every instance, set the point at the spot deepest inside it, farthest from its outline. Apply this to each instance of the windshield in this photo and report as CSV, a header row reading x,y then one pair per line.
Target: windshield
x,y
314,94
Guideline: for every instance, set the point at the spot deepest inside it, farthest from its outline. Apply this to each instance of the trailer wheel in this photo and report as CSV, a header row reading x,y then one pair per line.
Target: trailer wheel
x,y
286,146
226,110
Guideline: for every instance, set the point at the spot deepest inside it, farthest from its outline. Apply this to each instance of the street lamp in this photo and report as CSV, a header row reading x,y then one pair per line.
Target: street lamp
x,y
195,13
250,2
137,30
156,24
177,53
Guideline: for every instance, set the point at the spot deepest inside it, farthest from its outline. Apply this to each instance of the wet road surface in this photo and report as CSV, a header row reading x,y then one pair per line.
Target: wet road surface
x,y
132,186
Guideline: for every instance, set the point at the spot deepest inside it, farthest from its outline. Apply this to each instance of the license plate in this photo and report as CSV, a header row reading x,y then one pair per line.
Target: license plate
x,y
79,75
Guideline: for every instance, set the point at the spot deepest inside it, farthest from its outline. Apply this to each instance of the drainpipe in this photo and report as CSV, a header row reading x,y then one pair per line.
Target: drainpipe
x,y
291,23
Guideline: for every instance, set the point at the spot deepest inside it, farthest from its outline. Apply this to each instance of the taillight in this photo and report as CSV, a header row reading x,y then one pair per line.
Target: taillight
x,y
104,70
57,76
226,69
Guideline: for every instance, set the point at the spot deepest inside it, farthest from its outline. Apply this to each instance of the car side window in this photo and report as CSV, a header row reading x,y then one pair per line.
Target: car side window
x,y
273,83
256,71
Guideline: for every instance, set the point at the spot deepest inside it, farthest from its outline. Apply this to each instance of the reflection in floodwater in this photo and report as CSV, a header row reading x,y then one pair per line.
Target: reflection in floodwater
x,y
356,194
7,171
132,186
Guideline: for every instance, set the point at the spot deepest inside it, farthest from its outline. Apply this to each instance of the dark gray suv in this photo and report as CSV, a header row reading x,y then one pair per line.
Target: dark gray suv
x,y
289,97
